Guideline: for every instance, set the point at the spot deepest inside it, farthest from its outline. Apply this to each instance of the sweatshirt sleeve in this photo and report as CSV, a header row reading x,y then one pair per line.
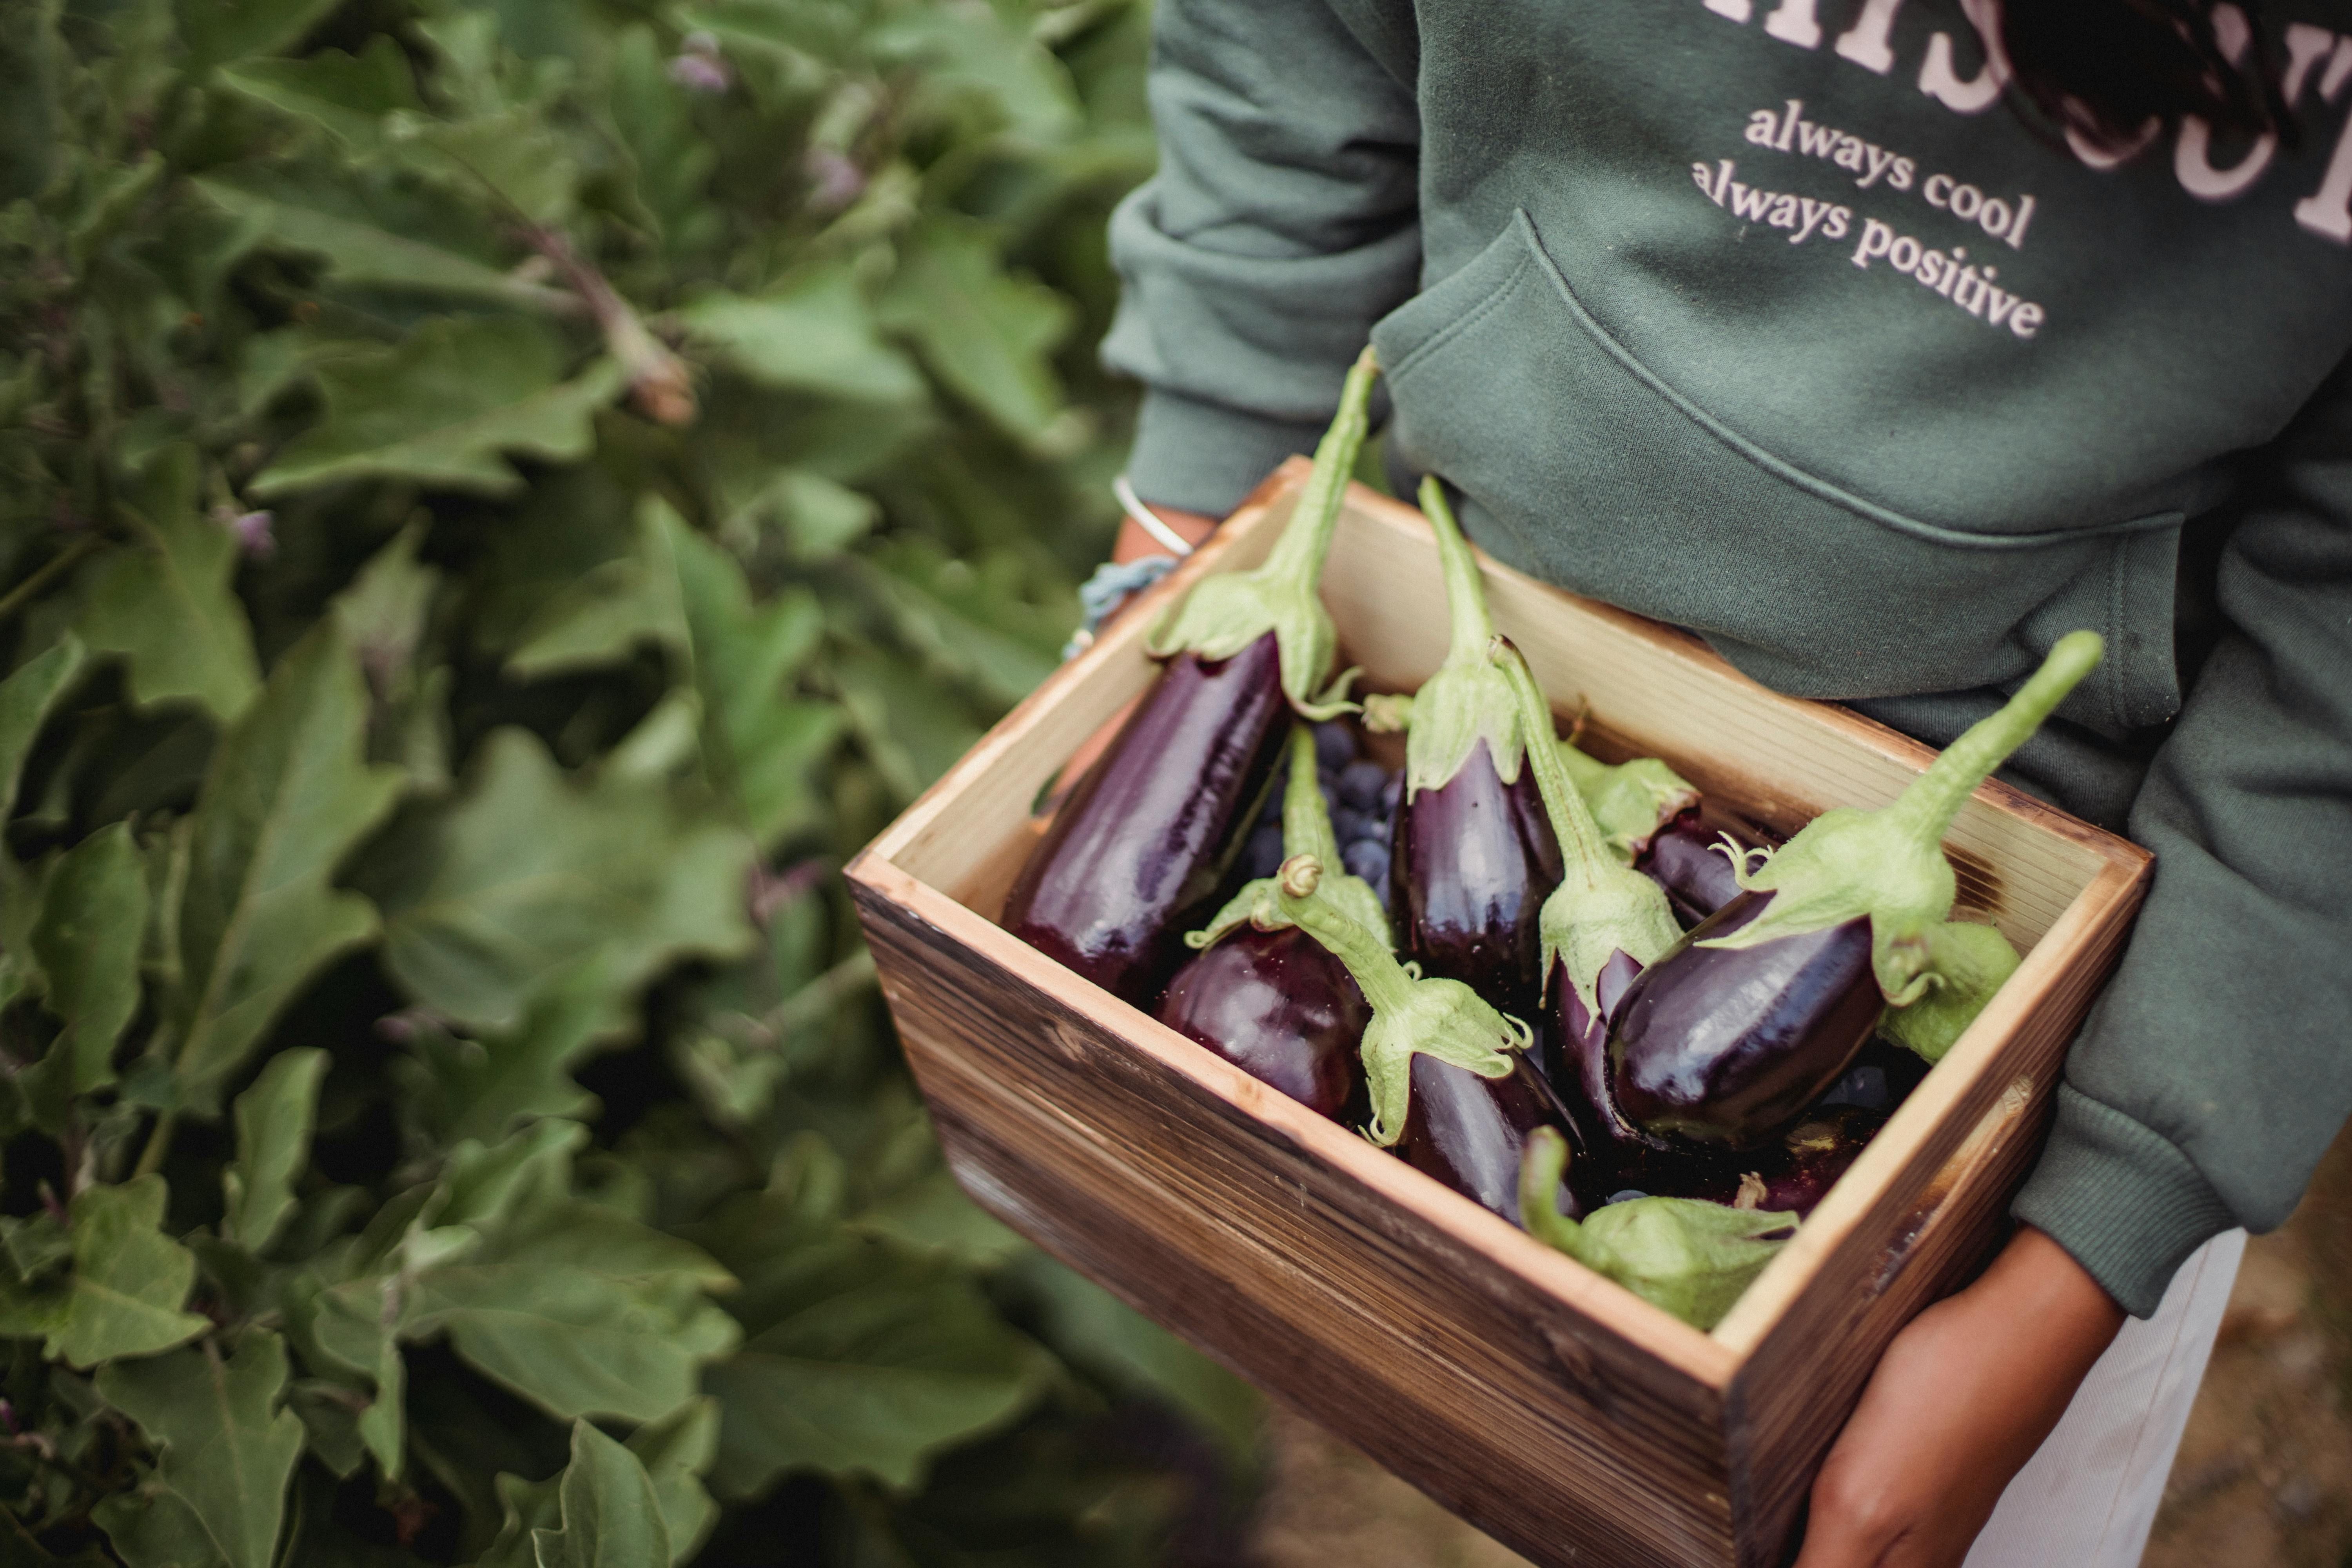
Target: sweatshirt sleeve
x,y
2212,1074
1282,222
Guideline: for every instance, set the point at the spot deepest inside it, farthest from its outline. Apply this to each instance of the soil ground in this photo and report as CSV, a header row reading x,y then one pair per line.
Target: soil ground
x,y
2264,1479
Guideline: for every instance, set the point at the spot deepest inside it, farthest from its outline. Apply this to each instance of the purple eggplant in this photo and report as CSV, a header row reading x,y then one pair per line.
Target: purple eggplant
x,y
1265,995
1135,854
1473,856
1414,1015
1281,1008
1716,1045
1693,863
1759,1009
1470,1132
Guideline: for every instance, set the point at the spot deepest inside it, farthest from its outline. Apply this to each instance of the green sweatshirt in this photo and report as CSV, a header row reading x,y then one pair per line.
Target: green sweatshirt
x,y
1765,317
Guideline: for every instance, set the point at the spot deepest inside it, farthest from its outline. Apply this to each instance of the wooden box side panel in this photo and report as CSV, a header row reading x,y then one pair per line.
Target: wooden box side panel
x,y
1178,1183
1911,1219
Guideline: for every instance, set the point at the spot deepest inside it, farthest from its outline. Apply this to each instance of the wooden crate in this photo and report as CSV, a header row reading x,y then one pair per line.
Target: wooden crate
x,y
1545,1404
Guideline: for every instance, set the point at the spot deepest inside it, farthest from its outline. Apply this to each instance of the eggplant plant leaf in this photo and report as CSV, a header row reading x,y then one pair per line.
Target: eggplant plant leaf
x,y
165,605
364,247
677,1451
491,899
444,408
217,30
858,1359
122,1295
344,95
25,699
814,334
274,1120
611,1516
982,331
288,796
227,1447
93,931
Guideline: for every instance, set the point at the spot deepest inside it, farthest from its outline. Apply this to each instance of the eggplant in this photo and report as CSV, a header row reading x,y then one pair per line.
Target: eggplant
x,y
1139,850
1688,1256
1266,996
1281,1008
1470,1132
1413,1015
1473,856
1694,864
1759,1009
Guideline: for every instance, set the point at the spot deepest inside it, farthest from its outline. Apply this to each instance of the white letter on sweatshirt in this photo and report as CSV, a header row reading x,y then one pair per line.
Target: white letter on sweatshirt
x,y
1877,239
1940,82
1794,23
1737,10
1865,43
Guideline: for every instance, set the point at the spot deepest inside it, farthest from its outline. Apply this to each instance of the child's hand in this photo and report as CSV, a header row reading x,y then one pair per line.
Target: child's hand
x,y
1960,1401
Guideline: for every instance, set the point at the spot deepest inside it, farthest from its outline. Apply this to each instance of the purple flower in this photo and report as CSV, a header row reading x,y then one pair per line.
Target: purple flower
x,y
253,534
836,176
698,67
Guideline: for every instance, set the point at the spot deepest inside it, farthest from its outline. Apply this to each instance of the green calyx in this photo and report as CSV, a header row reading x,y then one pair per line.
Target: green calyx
x,y
1888,864
1223,615
1411,1013
1467,700
1631,800
1306,831
1693,1258
1966,963
1603,906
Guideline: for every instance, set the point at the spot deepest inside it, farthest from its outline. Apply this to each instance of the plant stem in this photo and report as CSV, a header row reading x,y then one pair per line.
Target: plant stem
x,y
48,571
1296,559
1305,820
1377,973
1582,848
1925,809
159,1144
1466,596
1543,1166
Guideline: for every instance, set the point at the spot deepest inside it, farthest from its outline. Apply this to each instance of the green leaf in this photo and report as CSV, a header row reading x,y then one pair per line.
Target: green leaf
x,y
273,1119
227,1447
343,95
816,334
288,796
478,1087
92,930
675,1451
492,899
123,1296
612,1517
164,601
444,407
364,248
582,1312
25,698
153,1527
861,1360
32,63
912,728
350,1328
759,745
512,156
217,30
982,331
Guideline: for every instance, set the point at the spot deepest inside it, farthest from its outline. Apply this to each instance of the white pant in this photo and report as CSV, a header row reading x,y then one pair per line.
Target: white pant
x,y
2089,1495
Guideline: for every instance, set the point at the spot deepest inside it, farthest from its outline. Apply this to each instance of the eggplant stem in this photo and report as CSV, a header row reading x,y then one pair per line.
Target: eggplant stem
x,y
1927,808
1542,1167
1305,820
1466,596
1384,981
1296,559
1581,845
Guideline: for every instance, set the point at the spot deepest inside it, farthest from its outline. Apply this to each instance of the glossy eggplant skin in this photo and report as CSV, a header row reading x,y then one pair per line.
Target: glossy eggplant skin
x,y
1685,860
1473,863
1134,857
1469,1132
1797,1169
1725,1046
1577,1060
1281,1008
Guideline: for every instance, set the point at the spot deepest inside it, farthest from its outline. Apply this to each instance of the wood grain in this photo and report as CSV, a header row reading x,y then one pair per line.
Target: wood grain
x,y
1556,1411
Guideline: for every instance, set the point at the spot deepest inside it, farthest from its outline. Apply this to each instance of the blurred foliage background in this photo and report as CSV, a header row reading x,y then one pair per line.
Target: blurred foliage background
x,y
497,502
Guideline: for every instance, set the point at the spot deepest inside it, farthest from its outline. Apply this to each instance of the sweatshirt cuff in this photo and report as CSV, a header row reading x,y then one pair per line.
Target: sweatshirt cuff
x,y
1206,457
2122,1200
